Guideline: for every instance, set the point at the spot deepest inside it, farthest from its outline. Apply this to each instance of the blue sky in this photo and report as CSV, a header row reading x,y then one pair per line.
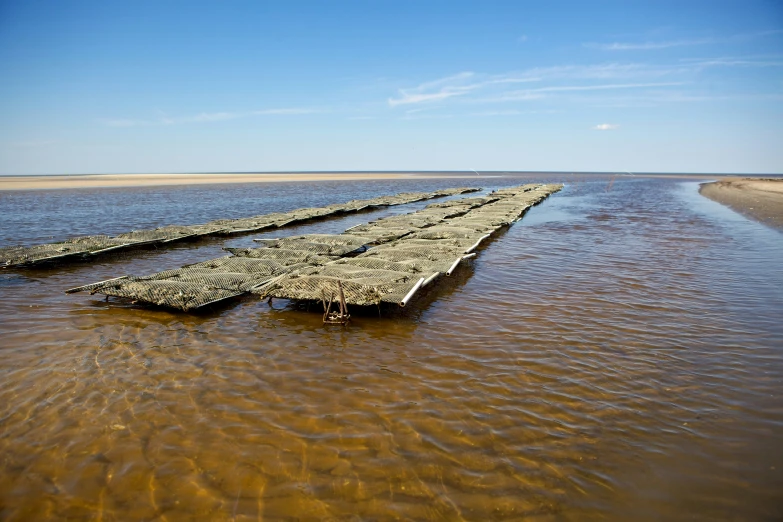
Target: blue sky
x,y
686,86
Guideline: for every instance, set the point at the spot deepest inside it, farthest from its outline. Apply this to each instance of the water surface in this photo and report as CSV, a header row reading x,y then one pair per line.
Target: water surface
x,y
615,355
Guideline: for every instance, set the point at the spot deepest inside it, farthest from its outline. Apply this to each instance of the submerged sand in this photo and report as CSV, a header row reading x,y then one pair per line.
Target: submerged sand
x,y
145,180
758,198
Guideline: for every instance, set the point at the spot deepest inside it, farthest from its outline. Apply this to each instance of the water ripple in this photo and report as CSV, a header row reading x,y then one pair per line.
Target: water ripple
x,y
614,355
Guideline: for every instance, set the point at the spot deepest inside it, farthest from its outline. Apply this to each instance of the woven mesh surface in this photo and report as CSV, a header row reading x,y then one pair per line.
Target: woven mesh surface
x,y
284,256
362,292
73,247
322,244
299,267
450,232
172,294
81,247
427,243
242,265
160,234
210,278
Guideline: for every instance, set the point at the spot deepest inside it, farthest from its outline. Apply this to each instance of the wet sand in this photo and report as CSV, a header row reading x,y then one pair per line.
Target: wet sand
x,y
758,198
149,180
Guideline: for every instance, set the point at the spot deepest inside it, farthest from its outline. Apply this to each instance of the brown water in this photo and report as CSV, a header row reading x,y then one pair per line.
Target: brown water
x,y
616,355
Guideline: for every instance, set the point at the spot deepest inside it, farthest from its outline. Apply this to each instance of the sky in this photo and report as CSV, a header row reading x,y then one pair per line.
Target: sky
x,y
166,86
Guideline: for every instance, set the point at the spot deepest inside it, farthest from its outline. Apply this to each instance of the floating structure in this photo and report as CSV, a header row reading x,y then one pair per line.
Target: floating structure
x,y
388,260
80,248
413,251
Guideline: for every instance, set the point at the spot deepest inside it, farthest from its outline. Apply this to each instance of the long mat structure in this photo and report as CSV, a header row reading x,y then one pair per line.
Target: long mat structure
x,y
412,252
397,256
80,248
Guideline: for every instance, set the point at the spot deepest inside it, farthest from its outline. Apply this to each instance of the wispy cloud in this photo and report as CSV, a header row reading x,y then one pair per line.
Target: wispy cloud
x,y
604,84
731,62
645,46
470,87
453,86
604,87
666,44
606,126
542,92
435,90
204,117
660,98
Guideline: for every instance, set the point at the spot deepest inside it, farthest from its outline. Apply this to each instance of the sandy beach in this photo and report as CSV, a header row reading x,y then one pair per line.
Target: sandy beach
x,y
148,180
82,181
758,198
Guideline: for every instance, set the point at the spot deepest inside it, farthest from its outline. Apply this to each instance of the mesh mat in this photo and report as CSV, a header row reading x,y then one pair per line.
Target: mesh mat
x,y
283,256
76,247
172,294
323,244
395,271
81,247
162,234
304,267
362,292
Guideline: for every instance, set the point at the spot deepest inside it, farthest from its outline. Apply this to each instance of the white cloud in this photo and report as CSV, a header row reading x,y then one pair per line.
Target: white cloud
x,y
666,44
542,92
470,87
644,46
606,126
605,86
435,90
453,86
732,62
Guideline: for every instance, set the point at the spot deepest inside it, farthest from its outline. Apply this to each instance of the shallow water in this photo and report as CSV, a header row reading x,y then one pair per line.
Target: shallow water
x,y
615,355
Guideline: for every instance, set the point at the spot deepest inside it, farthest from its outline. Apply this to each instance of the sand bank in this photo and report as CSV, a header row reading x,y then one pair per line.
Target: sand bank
x,y
147,180
758,198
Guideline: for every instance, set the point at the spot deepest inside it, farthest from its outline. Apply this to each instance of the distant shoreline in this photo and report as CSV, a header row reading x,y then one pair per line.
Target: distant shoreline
x,y
82,181
152,180
757,198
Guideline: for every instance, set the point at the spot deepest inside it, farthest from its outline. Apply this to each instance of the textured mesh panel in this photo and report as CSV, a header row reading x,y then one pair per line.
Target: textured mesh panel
x,y
73,247
435,238
449,233
283,256
242,265
324,244
80,247
160,234
173,294
364,292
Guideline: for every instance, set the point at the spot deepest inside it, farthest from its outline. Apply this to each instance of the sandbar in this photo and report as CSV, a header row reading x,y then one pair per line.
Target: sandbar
x,y
757,198
149,180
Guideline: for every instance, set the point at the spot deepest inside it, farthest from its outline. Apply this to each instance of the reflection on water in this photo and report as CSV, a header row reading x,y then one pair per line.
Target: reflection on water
x,y
614,355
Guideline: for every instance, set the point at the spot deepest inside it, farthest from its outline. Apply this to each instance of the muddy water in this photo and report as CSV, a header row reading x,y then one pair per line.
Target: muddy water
x,y
615,355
